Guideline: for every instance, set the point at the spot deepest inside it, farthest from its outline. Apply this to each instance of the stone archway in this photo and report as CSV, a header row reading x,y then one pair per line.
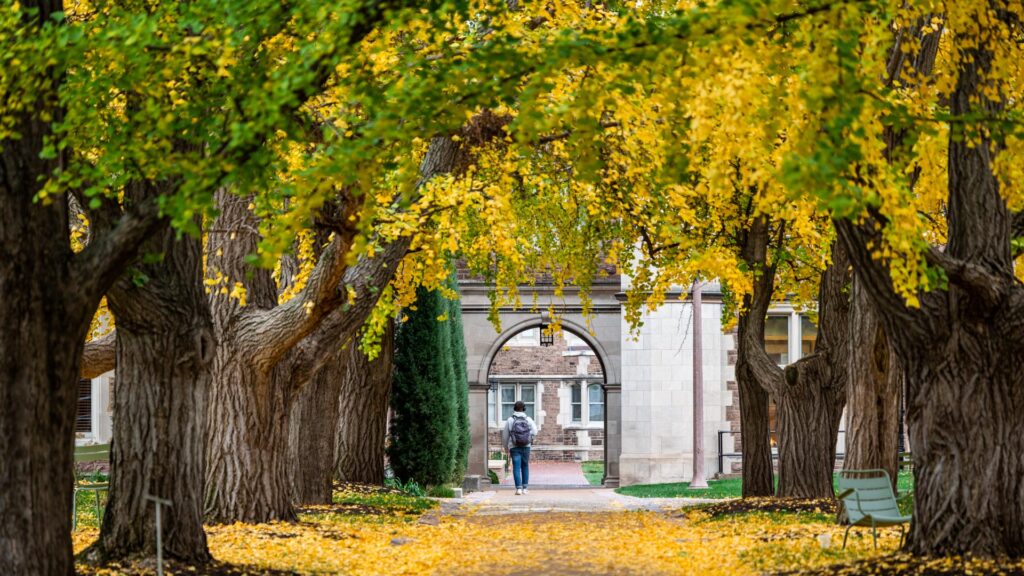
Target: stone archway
x,y
483,343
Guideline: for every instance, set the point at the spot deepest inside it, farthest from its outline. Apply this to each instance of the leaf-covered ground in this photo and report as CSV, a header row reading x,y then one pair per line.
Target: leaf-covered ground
x,y
384,532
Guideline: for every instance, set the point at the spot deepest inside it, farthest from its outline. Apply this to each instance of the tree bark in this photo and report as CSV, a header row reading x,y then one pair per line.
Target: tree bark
x,y
960,348
363,413
164,352
267,351
44,327
758,469
314,420
250,399
811,393
49,296
873,391
99,356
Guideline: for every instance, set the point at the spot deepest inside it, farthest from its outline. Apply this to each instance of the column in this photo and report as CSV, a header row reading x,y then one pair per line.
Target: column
x,y
612,433
478,432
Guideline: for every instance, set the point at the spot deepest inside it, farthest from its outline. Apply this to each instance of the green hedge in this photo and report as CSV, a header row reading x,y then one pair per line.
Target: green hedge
x,y
430,393
423,434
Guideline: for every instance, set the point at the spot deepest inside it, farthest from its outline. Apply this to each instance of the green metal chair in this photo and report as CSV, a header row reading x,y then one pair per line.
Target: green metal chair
x,y
868,499
94,453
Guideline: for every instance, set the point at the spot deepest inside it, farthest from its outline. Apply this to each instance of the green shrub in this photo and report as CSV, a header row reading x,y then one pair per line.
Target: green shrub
x,y
423,435
411,487
460,383
441,492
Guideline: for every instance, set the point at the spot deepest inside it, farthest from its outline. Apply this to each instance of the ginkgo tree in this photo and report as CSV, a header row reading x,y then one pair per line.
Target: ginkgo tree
x,y
141,115
868,152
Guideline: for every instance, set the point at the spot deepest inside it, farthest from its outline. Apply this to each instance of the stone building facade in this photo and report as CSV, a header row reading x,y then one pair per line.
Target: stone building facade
x,y
647,372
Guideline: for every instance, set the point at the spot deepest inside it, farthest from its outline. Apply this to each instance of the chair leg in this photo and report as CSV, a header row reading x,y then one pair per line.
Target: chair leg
x,y
874,535
74,510
97,492
846,535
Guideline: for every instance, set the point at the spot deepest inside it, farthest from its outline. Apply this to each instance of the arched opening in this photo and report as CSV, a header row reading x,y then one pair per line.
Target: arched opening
x,y
561,379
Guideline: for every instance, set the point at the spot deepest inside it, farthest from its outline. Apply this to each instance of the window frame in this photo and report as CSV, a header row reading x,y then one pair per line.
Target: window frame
x,y
590,401
583,387
496,403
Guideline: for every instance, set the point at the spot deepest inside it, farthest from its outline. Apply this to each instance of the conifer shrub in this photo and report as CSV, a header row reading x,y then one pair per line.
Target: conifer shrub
x,y
423,431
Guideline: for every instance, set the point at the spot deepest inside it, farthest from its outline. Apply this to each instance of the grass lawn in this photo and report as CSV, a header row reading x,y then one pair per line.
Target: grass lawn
x,y
594,471
727,488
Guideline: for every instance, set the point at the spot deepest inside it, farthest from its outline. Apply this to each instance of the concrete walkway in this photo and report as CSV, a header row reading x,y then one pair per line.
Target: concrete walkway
x,y
497,502
544,474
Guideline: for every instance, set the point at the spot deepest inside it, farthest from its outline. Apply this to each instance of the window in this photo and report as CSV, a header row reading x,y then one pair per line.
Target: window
x,y
596,403
577,403
507,394
776,339
83,414
808,335
590,411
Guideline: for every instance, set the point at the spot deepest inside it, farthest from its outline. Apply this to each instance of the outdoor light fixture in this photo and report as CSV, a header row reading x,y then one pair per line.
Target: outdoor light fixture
x,y
547,335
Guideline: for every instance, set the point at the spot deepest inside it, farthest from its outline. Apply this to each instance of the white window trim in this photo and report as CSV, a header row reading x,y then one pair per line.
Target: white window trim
x,y
493,410
585,423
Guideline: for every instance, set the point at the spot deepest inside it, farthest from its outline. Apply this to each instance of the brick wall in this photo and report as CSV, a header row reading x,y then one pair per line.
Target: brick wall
x,y
558,439
546,360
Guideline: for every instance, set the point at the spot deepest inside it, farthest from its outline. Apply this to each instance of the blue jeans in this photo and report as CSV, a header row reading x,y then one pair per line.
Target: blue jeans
x,y
520,465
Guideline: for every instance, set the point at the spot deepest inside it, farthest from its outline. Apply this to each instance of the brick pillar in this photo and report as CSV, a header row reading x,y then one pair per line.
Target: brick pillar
x,y
612,433
478,432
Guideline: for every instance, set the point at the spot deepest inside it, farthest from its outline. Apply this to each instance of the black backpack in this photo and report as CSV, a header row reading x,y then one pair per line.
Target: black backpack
x,y
520,431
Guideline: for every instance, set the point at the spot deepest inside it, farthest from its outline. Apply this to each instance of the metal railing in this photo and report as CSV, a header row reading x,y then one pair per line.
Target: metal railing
x,y
722,454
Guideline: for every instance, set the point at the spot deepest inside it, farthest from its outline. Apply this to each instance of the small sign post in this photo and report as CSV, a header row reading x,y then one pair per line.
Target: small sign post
x,y
158,502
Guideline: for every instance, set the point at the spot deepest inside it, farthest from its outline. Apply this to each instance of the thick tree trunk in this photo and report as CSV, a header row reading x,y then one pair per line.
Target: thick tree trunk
x,y
247,448
812,395
809,411
363,414
268,351
314,420
44,318
965,388
961,348
873,392
755,426
758,469
164,358
40,349
966,412
250,397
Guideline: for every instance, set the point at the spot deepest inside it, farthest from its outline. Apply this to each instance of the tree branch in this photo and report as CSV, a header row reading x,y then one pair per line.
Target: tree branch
x,y
755,253
99,355
976,279
107,255
278,329
367,280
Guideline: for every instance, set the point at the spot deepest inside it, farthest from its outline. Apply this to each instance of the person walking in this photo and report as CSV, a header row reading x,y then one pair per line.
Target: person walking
x,y
517,436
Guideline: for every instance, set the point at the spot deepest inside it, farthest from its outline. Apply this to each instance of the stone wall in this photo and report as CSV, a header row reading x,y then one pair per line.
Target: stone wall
x,y
657,393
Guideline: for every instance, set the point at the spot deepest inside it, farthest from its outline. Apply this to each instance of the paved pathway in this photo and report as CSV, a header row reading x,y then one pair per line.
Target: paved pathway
x,y
565,500
552,474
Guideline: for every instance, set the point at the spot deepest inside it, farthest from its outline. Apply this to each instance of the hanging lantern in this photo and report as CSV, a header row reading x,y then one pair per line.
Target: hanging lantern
x,y
547,335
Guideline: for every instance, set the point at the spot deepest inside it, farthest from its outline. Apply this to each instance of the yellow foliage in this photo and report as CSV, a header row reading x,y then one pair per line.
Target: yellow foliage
x,y
598,543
